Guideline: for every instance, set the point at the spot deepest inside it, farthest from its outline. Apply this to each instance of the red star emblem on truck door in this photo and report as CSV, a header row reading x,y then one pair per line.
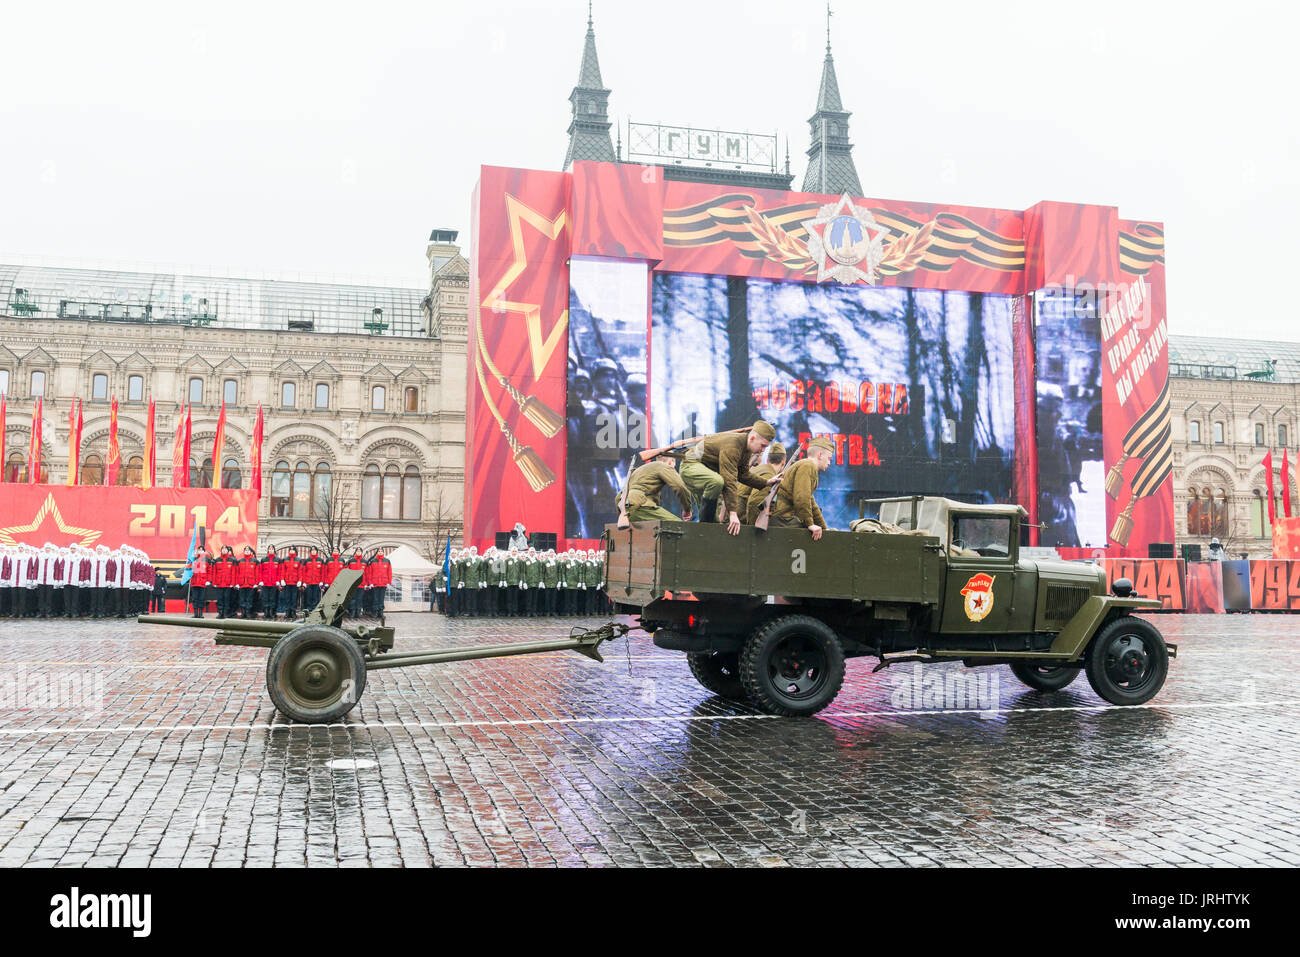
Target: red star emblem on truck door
x,y
979,596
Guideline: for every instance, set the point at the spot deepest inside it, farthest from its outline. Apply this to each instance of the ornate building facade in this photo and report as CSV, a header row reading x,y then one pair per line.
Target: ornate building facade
x,y
1233,400
362,388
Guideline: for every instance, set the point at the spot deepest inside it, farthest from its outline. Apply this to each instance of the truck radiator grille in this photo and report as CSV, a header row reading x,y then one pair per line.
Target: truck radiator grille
x,y
1063,601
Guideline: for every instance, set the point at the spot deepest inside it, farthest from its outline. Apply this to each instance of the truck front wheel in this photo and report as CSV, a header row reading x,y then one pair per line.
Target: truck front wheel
x,y
1127,661
719,672
792,666
1044,677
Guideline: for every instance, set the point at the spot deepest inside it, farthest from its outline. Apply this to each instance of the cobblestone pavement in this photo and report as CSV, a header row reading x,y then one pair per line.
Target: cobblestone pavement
x,y
134,745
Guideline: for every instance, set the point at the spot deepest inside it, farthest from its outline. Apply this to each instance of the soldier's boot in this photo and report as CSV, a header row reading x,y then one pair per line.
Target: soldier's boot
x,y
709,510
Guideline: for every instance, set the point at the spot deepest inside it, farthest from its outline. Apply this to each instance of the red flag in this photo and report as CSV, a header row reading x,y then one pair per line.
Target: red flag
x,y
217,443
186,459
4,413
257,453
74,447
34,448
81,427
1268,477
180,464
114,453
148,474
1286,486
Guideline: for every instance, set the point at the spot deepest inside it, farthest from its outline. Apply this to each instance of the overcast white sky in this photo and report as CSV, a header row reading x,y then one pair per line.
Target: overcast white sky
x,y
332,137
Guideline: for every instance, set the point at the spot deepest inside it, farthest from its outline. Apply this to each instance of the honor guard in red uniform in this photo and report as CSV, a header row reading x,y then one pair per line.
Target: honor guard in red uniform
x,y
222,578
332,569
246,581
290,580
268,577
357,564
380,572
199,582
313,570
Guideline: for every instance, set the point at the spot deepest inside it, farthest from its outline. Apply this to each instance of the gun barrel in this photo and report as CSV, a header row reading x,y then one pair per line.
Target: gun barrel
x,y
222,624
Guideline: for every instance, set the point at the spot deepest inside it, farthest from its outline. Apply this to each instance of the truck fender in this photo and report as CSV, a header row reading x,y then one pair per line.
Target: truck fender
x,y
1092,614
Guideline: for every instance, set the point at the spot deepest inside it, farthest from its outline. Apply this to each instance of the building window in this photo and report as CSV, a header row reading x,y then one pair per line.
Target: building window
x,y
411,494
230,391
4,381
280,490
92,470
135,388
370,489
99,386
322,486
322,395
196,391
301,490
205,474
231,476
378,395
1219,514
412,399
1281,435
1259,523
1218,433
16,468
38,383
288,395
132,473
1193,431
1259,433
392,493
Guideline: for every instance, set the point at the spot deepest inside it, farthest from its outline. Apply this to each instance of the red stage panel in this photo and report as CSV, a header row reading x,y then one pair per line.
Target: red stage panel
x,y
158,521
618,211
1153,578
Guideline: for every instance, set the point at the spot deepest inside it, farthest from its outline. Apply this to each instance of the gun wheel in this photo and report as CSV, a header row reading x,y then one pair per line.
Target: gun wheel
x,y
719,672
1127,661
1044,677
792,666
315,674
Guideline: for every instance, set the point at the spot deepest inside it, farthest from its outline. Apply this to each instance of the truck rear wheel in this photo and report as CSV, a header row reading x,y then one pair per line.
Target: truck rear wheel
x,y
1044,677
1127,661
792,666
315,674
719,672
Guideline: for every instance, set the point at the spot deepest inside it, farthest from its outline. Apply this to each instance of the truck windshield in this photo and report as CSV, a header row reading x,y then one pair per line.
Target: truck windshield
x,y
988,535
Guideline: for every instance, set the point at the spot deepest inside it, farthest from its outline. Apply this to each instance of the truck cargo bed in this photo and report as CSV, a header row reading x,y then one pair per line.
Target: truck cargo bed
x,y
654,560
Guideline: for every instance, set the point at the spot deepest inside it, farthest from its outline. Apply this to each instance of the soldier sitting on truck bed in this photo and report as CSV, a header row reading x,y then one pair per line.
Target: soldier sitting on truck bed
x,y
646,484
754,497
717,466
794,505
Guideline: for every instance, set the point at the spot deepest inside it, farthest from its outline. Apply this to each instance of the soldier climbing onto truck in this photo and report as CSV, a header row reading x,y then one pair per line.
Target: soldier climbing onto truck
x,y
718,465
795,505
646,484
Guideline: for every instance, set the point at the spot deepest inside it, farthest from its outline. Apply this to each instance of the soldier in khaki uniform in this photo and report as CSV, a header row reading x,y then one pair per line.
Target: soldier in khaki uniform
x,y
795,505
717,466
646,484
754,496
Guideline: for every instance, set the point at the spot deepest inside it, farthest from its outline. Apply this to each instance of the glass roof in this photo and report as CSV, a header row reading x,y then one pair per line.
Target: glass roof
x,y
1212,357
178,298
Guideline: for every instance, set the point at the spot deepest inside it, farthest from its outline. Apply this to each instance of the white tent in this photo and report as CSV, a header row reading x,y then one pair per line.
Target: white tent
x,y
412,577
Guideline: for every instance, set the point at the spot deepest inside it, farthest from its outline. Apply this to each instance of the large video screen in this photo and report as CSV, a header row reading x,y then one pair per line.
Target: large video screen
x,y
914,387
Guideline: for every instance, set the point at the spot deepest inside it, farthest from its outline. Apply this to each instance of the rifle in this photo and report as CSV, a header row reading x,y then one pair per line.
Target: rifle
x,y
765,513
649,454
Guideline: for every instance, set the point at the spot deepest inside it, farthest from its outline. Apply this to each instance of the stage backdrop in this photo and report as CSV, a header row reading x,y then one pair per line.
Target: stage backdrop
x,y
903,331
158,521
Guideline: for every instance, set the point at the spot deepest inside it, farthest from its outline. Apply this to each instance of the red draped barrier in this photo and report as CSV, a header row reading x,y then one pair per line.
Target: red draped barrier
x,y
158,521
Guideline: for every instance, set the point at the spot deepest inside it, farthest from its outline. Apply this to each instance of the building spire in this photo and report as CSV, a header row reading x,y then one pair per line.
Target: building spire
x,y
589,127
830,154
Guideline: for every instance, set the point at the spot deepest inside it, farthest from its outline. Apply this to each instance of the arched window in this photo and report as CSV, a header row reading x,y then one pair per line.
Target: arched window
x,y
1259,523
411,494
378,398
230,391
1218,433
1219,513
322,395
92,470
1193,513
231,476
288,395
392,493
135,388
1193,431
301,490
370,492
280,490
38,383
205,474
16,468
196,391
132,473
322,485
1207,511
411,397
1259,433
99,386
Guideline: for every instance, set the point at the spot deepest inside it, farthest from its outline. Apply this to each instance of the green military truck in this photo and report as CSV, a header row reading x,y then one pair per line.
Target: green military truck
x,y
771,616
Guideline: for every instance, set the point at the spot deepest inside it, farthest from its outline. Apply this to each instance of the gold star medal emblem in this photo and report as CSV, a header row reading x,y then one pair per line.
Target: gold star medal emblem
x,y
846,242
